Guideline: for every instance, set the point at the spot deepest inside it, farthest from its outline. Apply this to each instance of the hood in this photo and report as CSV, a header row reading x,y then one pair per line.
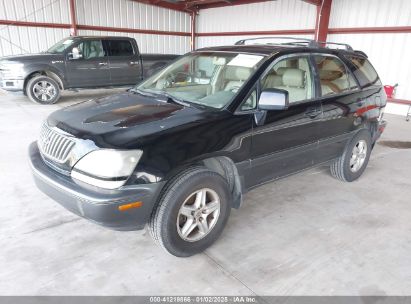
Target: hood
x,y
31,57
121,119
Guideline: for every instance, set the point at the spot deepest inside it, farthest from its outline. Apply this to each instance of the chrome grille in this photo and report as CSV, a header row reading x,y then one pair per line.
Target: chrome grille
x,y
53,145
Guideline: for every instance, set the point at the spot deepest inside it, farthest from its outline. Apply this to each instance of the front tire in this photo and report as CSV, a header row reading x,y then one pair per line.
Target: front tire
x,y
192,212
42,90
354,160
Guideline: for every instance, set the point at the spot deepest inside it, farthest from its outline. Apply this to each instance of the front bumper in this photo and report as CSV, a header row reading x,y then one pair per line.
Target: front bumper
x,y
12,84
95,204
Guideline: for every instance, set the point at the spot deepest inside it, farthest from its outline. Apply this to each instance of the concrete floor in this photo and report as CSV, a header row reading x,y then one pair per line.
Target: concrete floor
x,y
308,234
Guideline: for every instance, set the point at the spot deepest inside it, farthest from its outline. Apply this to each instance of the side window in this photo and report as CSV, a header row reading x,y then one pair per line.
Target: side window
x,y
334,77
120,48
250,103
364,71
91,49
293,75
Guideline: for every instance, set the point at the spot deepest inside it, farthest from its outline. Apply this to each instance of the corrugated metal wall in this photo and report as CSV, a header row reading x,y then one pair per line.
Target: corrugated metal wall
x,y
229,40
368,13
265,16
107,13
130,14
35,10
17,39
388,52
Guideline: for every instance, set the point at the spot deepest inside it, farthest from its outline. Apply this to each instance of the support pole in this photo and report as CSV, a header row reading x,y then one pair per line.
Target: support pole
x,y
73,25
193,30
323,20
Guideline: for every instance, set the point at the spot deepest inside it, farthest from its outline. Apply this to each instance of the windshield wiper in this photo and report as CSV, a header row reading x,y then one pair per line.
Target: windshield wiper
x,y
162,94
173,98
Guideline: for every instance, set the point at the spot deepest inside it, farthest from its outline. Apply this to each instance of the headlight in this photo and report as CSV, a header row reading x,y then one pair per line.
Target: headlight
x,y
106,168
12,69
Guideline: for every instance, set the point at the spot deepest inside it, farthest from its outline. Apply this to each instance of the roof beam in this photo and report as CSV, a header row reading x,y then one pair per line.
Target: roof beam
x,y
195,5
313,2
173,6
323,20
73,19
237,2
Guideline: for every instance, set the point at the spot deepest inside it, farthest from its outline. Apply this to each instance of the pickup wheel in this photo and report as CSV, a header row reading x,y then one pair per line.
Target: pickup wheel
x,y
192,212
355,158
43,90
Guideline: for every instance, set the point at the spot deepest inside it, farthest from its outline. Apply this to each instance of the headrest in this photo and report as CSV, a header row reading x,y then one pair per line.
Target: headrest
x,y
294,78
237,73
280,71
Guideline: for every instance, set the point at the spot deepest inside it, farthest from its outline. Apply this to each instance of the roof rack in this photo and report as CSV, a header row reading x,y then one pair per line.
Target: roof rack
x,y
295,41
361,53
298,41
325,43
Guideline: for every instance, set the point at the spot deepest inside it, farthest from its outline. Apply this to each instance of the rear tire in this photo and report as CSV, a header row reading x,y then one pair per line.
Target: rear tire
x,y
354,160
192,212
42,90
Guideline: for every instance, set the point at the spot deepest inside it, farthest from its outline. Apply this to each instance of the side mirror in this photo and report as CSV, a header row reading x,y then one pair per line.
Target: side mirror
x,y
75,54
273,99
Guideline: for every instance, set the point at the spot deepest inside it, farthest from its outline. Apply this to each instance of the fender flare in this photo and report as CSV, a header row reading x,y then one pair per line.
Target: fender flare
x,y
48,71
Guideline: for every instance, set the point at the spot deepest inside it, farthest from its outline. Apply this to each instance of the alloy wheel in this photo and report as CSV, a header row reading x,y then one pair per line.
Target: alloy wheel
x,y
198,215
359,153
44,91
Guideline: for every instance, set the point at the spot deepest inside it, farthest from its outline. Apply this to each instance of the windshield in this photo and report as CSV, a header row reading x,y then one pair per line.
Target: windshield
x,y
60,46
210,79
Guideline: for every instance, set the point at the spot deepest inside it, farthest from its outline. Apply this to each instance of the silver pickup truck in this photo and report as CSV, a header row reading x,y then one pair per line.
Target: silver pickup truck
x,y
78,62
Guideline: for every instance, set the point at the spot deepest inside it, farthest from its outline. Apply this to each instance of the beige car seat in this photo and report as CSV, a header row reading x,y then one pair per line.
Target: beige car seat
x,y
274,79
93,52
235,77
332,81
294,82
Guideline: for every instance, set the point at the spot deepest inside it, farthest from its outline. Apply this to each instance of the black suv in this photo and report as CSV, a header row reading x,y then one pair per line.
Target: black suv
x,y
179,150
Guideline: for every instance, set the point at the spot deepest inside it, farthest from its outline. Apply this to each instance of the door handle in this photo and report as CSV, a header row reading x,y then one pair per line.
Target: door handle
x,y
102,63
312,113
360,102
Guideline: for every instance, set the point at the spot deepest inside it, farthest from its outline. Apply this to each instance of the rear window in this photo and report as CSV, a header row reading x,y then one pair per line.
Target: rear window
x,y
364,71
334,77
120,48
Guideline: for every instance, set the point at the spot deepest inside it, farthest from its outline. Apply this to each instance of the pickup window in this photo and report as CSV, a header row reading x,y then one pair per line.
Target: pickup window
x,y
91,49
120,48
